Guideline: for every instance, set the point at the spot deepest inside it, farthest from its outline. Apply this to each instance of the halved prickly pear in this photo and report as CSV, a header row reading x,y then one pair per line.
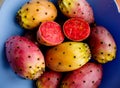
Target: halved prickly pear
x,y
102,44
76,29
34,12
88,76
49,79
67,56
77,8
25,57
50,33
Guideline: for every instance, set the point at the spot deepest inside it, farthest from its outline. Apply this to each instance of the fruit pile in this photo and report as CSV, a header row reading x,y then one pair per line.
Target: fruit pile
x,y
64,51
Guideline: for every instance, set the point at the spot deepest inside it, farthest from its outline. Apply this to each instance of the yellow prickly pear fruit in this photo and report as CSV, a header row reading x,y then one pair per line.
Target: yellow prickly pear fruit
x,y
34,12
67,56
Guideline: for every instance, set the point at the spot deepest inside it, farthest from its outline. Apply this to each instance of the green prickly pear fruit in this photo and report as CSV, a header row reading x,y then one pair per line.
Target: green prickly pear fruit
x,y
67,56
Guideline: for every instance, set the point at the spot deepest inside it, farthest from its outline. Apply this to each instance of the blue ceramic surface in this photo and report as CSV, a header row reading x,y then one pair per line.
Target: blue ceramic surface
x,y
106,14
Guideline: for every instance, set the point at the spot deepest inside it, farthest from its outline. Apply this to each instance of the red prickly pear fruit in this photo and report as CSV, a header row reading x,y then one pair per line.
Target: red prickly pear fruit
x,y
102,44
76,29
88,76
25,57
49,79
50,33
77,8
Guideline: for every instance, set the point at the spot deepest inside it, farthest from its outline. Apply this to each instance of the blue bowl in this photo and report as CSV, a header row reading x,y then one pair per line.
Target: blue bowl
x,y
106,14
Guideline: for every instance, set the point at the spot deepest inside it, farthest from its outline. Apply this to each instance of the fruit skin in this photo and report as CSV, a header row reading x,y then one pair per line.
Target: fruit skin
x,y
34,12
49,79
76,29
50,33
102,44
77,8
67,56
25,57
88,76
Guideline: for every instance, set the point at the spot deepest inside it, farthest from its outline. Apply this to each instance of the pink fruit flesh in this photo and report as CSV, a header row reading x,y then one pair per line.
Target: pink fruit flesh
x,y
76,29
50,33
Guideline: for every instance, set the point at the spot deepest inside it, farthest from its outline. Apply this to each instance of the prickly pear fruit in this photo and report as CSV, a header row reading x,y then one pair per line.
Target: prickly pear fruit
x,y
25,57
77,8
76,29
102,44
67,56
49,79
50,33
34,12
88,76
